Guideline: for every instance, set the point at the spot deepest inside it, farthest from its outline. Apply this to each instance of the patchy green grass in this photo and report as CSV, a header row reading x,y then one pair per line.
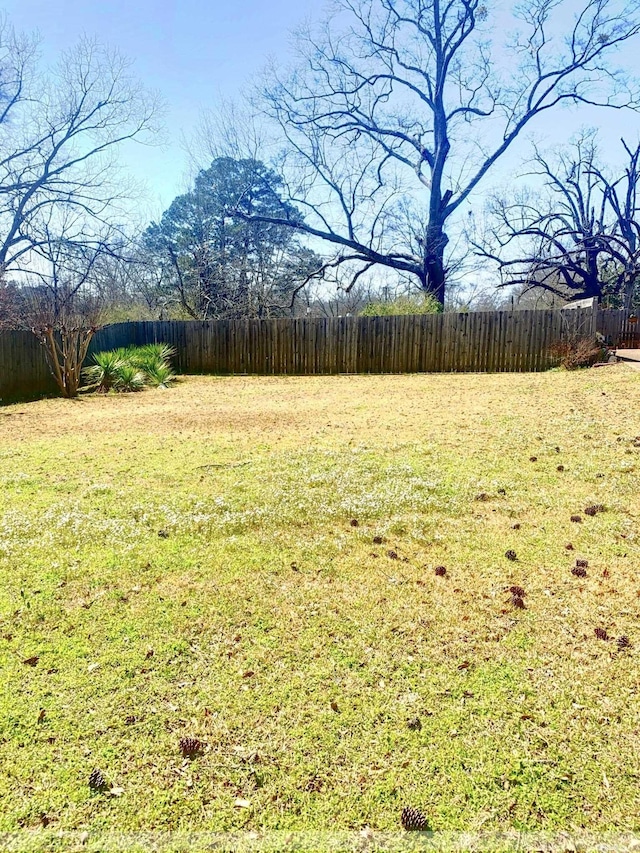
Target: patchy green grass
x,y
186,563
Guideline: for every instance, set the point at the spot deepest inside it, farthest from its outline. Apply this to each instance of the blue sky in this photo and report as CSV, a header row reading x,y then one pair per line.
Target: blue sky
x,y
195,52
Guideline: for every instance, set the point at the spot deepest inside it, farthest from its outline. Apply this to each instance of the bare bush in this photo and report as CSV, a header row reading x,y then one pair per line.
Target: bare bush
x,y
575,353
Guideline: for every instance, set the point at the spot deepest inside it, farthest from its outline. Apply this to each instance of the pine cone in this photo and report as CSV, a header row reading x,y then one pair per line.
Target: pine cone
x,y
97,780
516,526
582,564
601,634
623,642
594,509
579,572
190,746
569,546
533,459
518,602
511,555
378,540
392,555
560,468
413,820
518,591
440,571
354,522
576,518
414,724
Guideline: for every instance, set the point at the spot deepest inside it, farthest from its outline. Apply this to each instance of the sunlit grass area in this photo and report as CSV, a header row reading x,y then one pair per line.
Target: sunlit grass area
x,y
250,563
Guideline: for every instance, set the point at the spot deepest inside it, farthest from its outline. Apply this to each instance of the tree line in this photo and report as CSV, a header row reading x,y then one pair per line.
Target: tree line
x,y
394,118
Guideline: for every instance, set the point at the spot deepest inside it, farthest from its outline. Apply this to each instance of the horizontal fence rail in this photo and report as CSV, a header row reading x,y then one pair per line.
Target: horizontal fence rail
x,y
501,341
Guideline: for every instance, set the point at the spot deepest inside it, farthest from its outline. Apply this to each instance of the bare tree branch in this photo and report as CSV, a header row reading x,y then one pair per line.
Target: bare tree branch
x,y
579,239
391,97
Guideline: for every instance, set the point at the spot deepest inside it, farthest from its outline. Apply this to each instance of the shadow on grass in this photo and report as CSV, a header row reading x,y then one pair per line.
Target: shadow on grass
x,y
12,399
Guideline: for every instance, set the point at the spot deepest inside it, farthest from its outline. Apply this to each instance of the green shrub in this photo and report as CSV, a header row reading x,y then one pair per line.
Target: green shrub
x,y
151,356
420,304
159,375
129,378
131,368
103,375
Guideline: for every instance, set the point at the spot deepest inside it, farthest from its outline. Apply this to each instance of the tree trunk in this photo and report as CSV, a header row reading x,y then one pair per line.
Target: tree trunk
x,y
593,282
66,357
434,279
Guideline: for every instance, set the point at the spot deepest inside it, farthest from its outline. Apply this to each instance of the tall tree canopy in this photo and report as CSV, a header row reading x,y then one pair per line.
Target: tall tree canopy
x,y
208,259
399,108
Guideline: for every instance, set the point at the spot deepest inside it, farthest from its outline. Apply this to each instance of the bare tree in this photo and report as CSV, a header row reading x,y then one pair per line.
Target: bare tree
x,y
409,99
63,196
578,237
62,298
60,138
314,300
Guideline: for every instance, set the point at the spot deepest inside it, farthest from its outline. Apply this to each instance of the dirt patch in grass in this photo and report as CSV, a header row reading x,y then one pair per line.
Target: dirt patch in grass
x,y
180,567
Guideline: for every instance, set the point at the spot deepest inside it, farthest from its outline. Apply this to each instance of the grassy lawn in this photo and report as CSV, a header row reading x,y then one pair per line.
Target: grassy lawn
x,y
250,562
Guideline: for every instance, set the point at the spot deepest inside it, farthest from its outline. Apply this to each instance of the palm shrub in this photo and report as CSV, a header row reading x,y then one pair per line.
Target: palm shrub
x,y
131,368
151,356
103,375
159,375
129,378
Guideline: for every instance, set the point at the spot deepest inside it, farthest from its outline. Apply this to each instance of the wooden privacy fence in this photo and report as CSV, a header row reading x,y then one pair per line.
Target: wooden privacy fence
x,y
475,342
620,329
24,371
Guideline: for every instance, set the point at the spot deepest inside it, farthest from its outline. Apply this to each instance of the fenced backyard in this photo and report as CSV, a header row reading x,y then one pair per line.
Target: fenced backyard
x,y
482,342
